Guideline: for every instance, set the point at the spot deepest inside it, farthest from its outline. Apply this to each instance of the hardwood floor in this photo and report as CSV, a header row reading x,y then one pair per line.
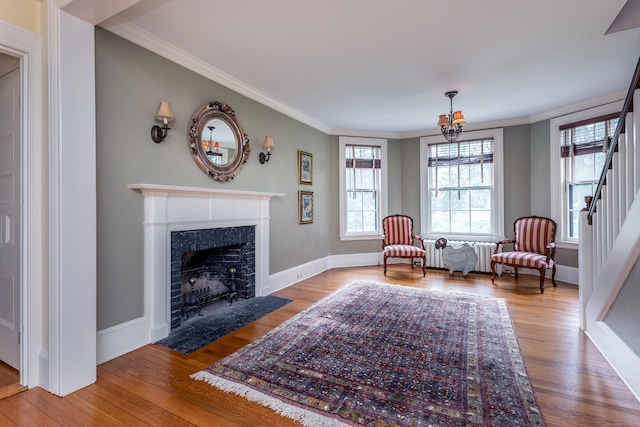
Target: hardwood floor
x,y
9,381
573,384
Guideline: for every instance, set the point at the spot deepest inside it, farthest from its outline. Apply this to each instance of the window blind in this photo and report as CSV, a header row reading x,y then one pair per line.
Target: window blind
x,y
587,136
461,153
362,156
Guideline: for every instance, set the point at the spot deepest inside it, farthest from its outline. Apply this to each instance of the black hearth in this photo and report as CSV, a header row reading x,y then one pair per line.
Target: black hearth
x,y
208,265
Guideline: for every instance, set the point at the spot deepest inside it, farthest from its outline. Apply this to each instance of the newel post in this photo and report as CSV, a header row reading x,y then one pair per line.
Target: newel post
x,y
585,265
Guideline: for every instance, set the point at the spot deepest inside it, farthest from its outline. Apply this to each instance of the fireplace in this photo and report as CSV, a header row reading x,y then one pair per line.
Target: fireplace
x,y
191,210
210,264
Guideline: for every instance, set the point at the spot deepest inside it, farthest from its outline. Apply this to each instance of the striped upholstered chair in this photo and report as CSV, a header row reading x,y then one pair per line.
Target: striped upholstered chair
x,y
398,238
533,247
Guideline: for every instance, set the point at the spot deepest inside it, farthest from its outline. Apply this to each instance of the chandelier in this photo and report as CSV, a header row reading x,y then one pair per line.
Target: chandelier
x,y
451,125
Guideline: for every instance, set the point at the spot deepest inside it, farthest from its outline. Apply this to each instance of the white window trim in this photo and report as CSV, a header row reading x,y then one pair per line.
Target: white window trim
x,y
384,204
497,225
558,188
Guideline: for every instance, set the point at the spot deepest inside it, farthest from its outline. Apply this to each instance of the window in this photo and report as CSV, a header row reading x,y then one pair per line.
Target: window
x,y
363,185
577,158
583,151
461,186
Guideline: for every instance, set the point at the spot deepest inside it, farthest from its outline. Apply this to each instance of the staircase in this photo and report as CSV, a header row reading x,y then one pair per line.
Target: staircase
x,y
609,247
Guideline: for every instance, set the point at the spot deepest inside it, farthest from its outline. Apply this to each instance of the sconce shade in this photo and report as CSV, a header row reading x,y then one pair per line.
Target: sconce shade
x,y
268,143
165,113
443,122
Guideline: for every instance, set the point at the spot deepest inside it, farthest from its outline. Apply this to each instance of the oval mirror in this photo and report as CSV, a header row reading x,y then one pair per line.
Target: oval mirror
x,y
216,141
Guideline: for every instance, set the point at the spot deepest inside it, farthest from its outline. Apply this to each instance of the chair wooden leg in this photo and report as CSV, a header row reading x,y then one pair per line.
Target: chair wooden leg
x,y
553,276
424,266
493,272
516,272
412,263
542,274
385,266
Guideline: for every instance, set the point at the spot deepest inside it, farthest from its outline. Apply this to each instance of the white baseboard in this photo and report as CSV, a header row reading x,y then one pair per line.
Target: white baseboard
x,y
356,260
567,274
43,370
563,273
121,339
284,279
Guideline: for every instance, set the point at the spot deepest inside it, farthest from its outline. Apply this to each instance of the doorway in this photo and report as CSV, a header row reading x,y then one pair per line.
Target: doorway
x,y
10,222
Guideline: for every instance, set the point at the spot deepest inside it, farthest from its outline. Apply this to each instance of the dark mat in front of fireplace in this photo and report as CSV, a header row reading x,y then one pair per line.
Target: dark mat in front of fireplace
x,y
219,319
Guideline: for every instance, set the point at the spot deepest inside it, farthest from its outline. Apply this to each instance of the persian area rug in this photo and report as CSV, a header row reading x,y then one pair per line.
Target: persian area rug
x,y
374,354
218,320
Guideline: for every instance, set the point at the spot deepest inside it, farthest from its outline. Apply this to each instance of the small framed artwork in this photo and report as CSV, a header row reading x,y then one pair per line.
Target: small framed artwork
x,y
305,168
305,203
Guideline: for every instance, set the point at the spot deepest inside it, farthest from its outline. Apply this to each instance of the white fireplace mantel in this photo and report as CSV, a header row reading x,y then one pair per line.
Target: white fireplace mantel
x,y
173,208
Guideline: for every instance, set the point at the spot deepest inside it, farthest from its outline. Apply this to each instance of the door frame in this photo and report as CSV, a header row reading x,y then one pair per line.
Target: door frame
x,y
26,46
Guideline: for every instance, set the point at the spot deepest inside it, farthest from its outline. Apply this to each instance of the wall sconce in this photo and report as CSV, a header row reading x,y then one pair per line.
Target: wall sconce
x,y
268,144
165,115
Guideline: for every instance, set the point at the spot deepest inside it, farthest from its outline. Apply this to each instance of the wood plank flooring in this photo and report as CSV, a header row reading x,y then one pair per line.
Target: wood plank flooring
x,y
9,381
573,384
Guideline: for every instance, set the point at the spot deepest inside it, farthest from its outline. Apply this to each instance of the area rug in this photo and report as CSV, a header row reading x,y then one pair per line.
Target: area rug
x,y
375,354
218,320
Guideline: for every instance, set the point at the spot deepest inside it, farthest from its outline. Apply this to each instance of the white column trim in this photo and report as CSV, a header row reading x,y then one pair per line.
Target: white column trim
x,y
53,66
72,195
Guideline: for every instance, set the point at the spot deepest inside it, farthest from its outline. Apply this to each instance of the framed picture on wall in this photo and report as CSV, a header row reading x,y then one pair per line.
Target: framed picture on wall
x,y
305,168
305,207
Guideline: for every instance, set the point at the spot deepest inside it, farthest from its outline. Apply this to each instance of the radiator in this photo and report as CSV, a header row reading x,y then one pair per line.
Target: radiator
x,y
484,250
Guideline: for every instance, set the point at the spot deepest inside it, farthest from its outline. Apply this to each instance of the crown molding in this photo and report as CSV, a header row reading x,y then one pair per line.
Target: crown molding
x,y
365,133
144,39
609,99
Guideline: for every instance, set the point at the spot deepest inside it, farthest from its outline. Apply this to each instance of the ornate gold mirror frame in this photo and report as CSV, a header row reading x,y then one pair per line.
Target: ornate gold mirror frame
x,y
216,141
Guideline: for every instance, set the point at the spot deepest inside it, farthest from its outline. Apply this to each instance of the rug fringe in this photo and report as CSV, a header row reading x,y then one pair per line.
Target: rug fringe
x,y
303,416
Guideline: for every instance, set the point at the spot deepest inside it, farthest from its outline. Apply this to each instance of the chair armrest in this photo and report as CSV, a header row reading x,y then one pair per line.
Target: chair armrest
x,y
420,238
550,251
502,242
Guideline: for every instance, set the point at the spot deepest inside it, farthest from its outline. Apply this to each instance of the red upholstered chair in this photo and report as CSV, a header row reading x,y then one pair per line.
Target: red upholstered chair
x,y
398,238
533,247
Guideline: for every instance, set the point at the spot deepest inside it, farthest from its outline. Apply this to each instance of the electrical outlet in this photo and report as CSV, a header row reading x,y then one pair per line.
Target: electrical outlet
x,y
299,274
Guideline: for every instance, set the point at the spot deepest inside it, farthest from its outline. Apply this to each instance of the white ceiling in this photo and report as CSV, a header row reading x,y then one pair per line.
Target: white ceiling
x,y
376,67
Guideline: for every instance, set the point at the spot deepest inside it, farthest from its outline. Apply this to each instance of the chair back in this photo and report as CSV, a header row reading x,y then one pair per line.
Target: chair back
x,y
398,230
534,233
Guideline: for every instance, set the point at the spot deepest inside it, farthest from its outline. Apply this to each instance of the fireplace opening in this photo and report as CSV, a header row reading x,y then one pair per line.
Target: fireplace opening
x,y
208,267
208,276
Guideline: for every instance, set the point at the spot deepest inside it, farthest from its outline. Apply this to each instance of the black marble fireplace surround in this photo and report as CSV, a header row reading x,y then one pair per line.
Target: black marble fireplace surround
x,y
212,252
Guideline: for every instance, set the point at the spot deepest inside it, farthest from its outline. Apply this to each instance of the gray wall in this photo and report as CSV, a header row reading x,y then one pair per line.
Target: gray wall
x,y
541,184
541,169
410,173
517,174
624,317
130,83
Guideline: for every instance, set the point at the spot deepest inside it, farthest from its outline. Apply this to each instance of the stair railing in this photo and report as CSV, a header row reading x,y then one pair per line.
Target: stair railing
x,y
613,147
